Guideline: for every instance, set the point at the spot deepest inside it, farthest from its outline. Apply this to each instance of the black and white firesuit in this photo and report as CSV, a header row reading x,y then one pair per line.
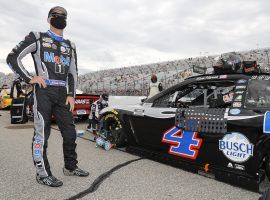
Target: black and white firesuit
x,y
55,59
95,110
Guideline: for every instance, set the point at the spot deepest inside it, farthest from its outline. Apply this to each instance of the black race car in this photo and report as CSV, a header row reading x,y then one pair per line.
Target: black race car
x,y
214,125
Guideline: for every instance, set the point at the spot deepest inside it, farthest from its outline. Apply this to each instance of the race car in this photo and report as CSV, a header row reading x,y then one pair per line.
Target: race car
x,y
214,125
82,105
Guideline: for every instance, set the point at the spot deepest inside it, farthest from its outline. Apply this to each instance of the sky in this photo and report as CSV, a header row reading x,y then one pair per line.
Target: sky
x,y
120,33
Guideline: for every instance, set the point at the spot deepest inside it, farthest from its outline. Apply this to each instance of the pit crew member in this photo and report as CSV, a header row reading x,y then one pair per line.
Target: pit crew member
x,y
95,110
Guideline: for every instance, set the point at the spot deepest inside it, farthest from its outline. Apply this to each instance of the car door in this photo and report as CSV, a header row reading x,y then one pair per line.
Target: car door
x,y
226,129
204,122
202,104
150,122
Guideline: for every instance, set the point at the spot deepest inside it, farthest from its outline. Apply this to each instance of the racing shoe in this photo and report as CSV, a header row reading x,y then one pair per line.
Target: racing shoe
x,y
49,180
75,172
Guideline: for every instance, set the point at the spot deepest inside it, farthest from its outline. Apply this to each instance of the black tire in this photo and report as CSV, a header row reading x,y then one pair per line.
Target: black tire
x,y
111,122
266,195
267,165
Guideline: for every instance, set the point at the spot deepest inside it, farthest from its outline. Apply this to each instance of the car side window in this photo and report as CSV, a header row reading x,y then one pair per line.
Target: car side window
x,y
193,98
164,101
168,100
218,94
258,94
222,97
207,95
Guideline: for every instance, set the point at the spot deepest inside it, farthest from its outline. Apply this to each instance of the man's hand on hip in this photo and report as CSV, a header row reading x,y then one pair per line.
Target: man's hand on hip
x,y
39,80
71,101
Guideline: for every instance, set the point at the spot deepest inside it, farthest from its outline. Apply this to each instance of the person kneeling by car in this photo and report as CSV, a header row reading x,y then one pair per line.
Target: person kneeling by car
x,y
95,110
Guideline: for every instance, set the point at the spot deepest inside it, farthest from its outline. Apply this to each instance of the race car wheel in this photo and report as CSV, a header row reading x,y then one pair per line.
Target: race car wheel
x,y
112,124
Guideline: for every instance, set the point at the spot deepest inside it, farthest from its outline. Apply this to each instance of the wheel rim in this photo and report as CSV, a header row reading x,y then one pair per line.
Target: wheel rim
x,y
112,126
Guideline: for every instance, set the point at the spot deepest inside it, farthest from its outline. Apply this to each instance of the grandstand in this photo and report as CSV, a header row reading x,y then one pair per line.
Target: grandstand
x,y
135,80
6,79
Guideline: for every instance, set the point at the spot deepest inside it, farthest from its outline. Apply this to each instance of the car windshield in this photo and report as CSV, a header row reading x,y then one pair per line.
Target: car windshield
x,y
258,94
194,94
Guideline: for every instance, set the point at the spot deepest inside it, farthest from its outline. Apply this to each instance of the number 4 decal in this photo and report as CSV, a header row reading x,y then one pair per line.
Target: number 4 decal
x,y
183,144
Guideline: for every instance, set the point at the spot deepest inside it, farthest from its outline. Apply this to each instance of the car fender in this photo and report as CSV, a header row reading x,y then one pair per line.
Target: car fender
x,y
263,146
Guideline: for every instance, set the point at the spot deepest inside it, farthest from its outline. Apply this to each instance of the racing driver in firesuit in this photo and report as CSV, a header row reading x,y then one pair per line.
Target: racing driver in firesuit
x,y
54,92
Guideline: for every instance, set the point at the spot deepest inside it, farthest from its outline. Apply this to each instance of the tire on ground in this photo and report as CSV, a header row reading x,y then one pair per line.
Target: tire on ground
x,y
267,165
111,122
266,195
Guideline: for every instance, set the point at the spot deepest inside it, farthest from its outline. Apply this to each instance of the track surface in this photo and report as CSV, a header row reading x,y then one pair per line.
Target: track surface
x,y
114,174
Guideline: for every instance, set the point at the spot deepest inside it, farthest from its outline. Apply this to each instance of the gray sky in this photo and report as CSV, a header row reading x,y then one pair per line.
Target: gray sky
x,y
118,33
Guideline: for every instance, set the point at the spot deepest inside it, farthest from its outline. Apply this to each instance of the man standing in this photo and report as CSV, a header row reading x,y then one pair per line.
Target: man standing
x,y
155,86
56,72
96,108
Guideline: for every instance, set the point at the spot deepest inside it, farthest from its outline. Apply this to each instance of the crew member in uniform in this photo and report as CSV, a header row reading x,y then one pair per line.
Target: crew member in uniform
x,y
95,110
155,86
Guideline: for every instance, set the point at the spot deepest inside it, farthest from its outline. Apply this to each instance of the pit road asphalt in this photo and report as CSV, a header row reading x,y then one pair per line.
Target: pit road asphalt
x,y
114,174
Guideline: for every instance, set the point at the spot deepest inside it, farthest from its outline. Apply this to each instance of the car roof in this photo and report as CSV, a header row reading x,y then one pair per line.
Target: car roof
x,y
203,78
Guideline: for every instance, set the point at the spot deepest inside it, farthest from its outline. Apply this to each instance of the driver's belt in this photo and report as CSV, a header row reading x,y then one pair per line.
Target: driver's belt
x,y
53,82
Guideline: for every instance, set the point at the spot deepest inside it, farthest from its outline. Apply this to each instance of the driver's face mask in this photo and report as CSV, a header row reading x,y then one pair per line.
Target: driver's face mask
x,y
58,20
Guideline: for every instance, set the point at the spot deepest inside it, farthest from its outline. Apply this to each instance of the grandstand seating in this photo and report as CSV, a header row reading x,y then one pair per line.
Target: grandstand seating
x,y
135,80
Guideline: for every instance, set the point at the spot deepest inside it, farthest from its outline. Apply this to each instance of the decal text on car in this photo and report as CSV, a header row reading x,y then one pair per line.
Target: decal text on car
x,y
183,144
236,147
81,101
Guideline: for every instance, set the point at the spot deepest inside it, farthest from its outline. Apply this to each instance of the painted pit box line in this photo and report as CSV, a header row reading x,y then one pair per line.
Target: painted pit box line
x,y
94,186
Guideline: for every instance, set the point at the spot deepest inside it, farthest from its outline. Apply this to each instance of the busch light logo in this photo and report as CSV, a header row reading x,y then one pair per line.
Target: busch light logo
x,y
236,147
